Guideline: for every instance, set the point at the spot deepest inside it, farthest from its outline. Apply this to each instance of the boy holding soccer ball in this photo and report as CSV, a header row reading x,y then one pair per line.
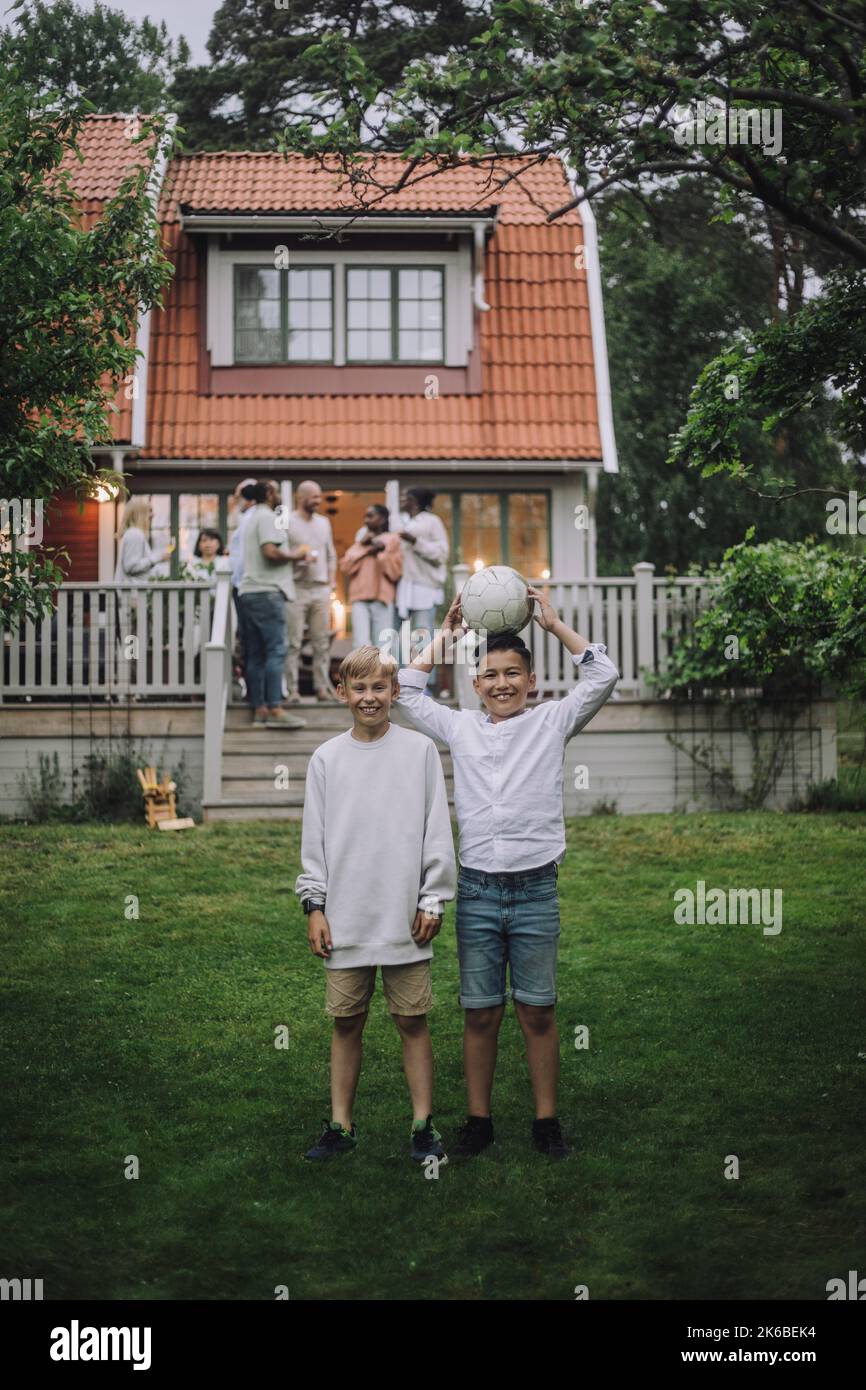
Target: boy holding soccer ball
x,y
508,763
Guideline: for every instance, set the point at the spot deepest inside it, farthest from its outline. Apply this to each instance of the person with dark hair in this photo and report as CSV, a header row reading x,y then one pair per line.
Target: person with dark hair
x,y
265,588
373,564
244,504
425,553
209,544
508,762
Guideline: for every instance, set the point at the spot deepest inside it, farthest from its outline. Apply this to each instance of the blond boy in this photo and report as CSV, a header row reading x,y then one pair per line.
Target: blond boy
x,y
377,867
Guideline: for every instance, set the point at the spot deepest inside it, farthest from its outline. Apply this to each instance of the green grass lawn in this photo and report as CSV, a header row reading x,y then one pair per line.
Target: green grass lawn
x,y
155,1037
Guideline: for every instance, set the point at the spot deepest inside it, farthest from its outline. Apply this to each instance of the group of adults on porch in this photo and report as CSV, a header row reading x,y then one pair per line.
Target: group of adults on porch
x,y
283,572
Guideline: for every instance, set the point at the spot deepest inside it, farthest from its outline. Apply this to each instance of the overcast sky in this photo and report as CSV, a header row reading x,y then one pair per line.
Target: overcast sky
x,y
192,18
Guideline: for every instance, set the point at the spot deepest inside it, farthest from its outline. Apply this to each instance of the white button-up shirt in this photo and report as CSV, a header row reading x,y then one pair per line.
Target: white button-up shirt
x,y
508,772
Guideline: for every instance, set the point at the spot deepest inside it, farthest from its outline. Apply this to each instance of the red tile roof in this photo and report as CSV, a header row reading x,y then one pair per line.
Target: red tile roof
x,y
237,181
109,154
538,398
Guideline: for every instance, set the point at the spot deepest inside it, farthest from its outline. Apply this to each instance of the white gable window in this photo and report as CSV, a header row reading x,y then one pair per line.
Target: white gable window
x,y
283,315
340,307
395,314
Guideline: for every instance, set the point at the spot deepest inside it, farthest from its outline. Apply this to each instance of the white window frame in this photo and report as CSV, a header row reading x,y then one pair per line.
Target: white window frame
x,y
457,264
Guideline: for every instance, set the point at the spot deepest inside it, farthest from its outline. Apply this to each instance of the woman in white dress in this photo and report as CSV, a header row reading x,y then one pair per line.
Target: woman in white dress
x,y
425,553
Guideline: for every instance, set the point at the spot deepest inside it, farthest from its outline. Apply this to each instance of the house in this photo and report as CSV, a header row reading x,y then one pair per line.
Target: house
x,y
450,335
447,335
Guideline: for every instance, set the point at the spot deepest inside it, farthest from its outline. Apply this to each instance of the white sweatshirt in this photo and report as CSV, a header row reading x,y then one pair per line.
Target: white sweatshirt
x,y
376,844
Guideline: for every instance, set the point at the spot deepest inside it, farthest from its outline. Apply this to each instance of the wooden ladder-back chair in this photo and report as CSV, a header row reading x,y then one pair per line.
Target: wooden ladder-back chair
x,y
160,802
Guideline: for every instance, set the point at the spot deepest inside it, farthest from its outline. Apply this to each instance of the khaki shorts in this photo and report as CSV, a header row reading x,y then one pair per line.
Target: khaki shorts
x,y
408,989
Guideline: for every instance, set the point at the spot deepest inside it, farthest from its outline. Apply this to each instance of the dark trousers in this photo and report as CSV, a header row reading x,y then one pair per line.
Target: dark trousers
x,y
264,620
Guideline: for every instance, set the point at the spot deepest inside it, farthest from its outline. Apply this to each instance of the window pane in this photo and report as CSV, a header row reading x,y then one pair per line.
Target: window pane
x,y
420,316
320,345
528,533
364,345
257,347
356,313
443,507
257,282
480,528
409,284
310,304
320,313
379,284
257,314
320,284
410,313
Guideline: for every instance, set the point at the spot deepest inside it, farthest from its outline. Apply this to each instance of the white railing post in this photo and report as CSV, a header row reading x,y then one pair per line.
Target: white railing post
x,y
217,667
643,574
463,672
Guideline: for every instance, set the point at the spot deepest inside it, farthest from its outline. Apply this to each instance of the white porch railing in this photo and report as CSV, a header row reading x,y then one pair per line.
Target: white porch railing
x,y
104,640
165,640
639,619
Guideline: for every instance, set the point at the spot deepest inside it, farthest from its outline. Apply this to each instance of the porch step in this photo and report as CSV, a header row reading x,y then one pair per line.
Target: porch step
x,y
252,756
229,808
317,716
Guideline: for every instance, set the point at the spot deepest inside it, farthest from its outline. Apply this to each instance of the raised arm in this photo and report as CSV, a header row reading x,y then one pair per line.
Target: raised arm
x,y
426,714
596,673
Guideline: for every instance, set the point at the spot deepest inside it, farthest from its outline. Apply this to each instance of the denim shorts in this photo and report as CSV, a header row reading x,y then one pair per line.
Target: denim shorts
x,y
508,919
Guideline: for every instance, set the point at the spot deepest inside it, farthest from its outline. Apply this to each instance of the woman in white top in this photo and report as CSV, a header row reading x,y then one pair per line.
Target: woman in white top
x,y
135,559
425,552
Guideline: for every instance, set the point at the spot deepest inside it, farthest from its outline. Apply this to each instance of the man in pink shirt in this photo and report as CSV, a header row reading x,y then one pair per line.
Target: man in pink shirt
x,y
373,565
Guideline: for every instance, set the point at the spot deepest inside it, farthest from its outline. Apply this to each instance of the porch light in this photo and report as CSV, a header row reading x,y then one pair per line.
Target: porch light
x,y
478,565
105,492
338,616
545,574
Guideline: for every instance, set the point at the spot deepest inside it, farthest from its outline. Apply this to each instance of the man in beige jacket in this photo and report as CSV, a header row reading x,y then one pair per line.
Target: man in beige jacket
x,y
373,565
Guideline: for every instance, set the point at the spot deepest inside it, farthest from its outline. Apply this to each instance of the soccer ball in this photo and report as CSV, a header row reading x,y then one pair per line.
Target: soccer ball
x,y
496,600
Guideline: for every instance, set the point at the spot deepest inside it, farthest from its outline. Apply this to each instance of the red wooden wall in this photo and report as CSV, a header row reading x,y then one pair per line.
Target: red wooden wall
x,y
69,526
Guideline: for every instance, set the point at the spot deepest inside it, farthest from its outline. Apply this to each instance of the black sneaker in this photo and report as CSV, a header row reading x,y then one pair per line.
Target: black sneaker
x,y
427,1141
334,1140
475,1136
547,1138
